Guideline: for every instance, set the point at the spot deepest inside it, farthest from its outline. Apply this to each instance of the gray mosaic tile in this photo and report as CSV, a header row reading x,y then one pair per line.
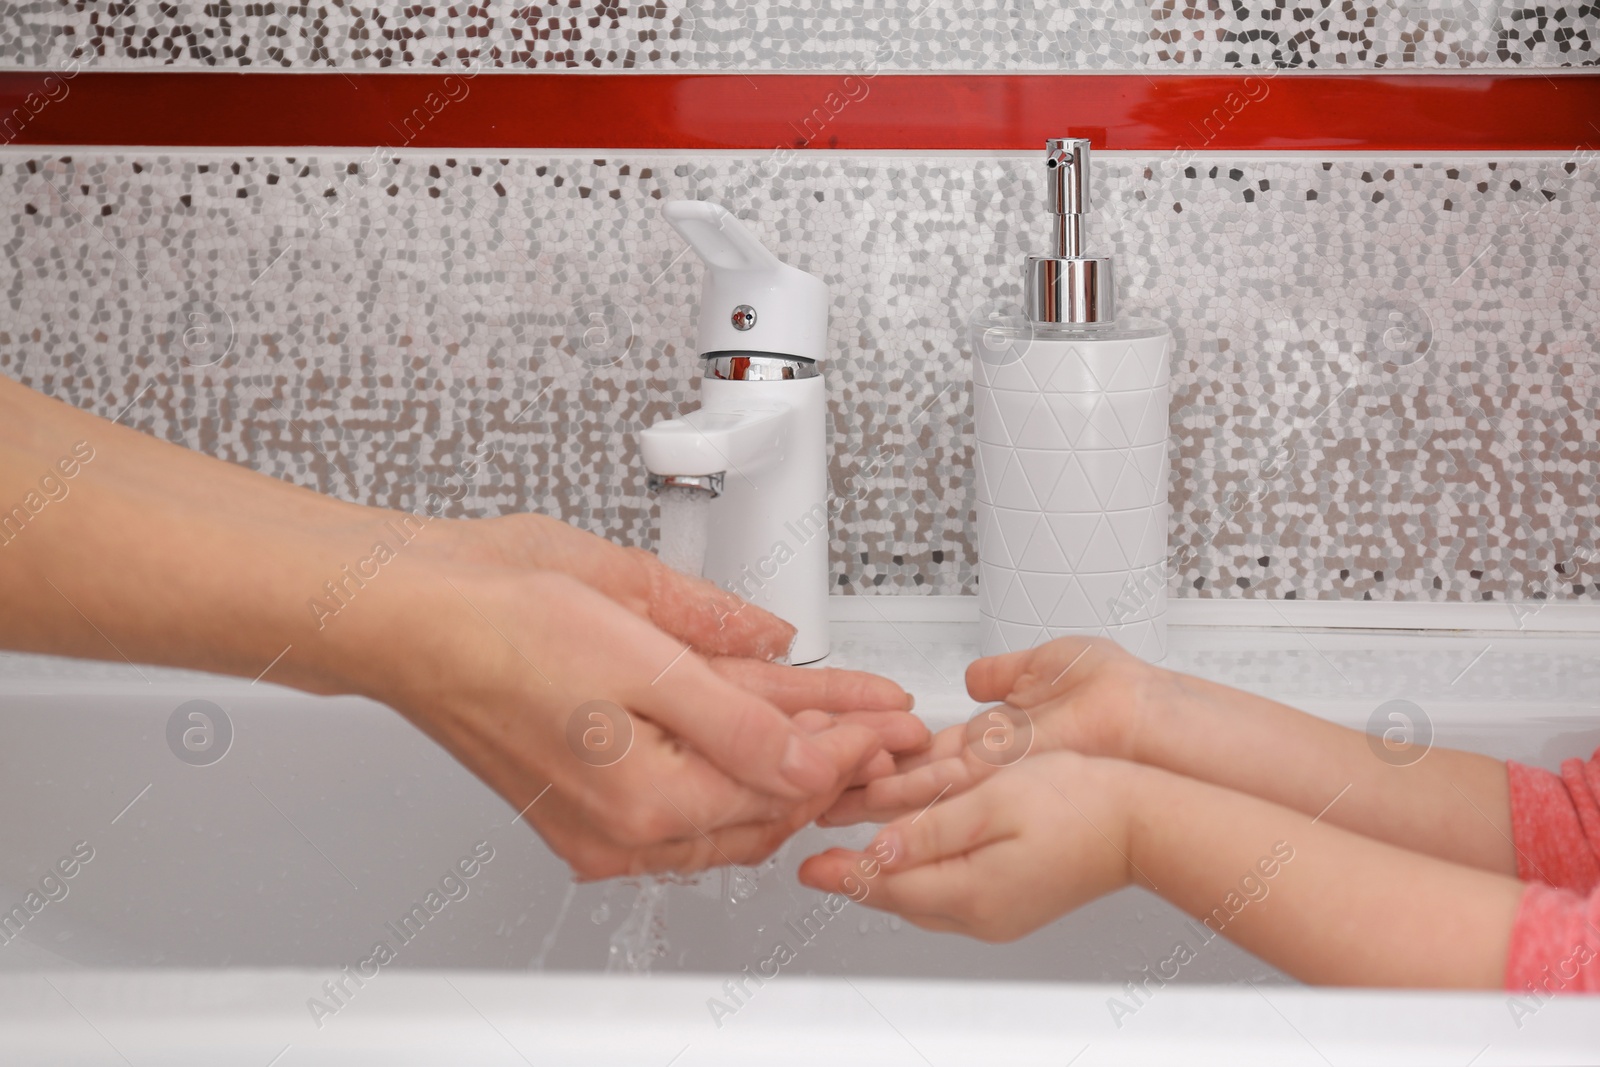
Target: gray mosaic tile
x,y
1385,381
760,34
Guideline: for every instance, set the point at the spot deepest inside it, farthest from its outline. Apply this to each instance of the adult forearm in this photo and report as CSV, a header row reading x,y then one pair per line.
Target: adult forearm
x,y
1324,904
43,431
116,546
1445,803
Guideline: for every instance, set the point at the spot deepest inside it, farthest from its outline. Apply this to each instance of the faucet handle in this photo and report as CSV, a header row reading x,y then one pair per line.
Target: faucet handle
x,y
751,302
719,238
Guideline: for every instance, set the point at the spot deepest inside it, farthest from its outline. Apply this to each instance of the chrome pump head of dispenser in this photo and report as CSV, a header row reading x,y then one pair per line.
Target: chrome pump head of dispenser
x,y
1066,286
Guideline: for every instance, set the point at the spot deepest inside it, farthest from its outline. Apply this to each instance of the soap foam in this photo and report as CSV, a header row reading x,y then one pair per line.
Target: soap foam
x,y
685,520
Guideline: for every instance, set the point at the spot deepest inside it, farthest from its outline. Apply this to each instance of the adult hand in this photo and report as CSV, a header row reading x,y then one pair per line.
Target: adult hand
x,y
738,638
509,671
1081,694
713,621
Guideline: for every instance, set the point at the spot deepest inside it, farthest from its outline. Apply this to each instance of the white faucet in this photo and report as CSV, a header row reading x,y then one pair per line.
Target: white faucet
x,y
758,442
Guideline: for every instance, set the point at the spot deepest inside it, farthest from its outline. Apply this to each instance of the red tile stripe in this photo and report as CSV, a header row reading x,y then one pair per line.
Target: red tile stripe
x,y
863,111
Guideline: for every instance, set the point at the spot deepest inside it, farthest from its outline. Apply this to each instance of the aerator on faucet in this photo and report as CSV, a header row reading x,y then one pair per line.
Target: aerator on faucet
x,y
757,443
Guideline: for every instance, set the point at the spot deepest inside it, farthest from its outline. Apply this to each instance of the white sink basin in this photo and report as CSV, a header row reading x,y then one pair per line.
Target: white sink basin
x,y
221,897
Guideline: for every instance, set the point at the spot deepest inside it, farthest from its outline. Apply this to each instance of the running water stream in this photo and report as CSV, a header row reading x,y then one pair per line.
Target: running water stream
x,y
685,521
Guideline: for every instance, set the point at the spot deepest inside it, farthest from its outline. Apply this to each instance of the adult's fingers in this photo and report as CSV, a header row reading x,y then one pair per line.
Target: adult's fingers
x,y
741,734
713,620
693,833
855,697
826,688
877,765
951,741
812,721
677,781
856,806
710,619
857,752
743,844
898,731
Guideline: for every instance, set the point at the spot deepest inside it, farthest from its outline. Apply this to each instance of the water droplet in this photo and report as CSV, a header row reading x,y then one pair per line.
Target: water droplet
x,y
600,914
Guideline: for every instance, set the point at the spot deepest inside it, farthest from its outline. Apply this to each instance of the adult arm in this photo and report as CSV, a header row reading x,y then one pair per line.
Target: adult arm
x,y
489,635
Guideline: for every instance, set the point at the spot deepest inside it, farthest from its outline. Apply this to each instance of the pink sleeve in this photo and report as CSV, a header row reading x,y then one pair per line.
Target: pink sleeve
x,y
1555,943
1555,823
1555,826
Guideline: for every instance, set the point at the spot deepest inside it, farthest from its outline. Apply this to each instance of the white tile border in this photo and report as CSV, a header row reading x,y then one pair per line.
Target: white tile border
x,y
1486,617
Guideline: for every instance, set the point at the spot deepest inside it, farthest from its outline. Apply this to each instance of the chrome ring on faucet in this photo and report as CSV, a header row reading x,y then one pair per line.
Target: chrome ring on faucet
x,y
757,367
706,483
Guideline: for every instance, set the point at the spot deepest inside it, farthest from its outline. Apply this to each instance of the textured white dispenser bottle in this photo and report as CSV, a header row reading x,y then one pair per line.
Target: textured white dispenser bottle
x,y
1070,451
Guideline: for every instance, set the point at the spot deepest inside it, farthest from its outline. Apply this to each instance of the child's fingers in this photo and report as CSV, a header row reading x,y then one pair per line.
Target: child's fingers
x,y
834,871
932,897
881,798
916,789
944,831
937,923
943,770
944,744
898,731
992,677
935,896
1003,676
887,798
849,809
880,765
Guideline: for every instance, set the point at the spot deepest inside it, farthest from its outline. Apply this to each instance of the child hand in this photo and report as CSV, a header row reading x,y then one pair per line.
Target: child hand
x,y
1080,694
1017,852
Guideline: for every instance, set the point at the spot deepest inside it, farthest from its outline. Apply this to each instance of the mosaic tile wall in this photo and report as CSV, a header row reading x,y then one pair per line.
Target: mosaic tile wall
x,y
807,34
1385,386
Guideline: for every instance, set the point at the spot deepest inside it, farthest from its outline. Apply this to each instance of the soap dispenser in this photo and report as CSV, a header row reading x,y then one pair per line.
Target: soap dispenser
x,y
755,451
1070,452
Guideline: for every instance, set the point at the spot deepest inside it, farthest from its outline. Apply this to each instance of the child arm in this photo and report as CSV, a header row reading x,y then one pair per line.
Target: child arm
x,y
1090,696
1442,802
1056,831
